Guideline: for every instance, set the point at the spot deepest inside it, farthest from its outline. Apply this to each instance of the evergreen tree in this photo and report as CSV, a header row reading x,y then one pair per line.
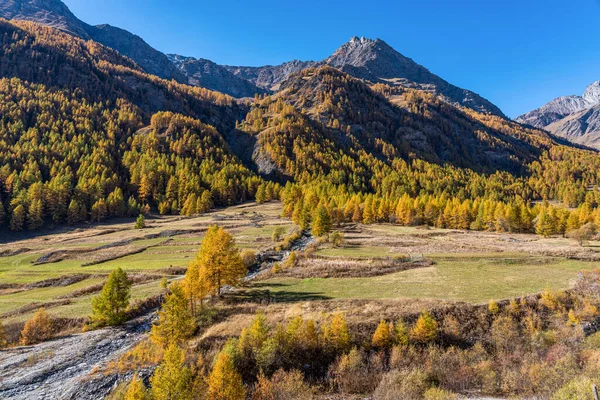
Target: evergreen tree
x,y
108,308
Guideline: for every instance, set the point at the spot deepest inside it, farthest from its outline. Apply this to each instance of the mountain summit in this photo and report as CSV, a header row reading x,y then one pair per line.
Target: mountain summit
x,y
575,118
377,61
371,60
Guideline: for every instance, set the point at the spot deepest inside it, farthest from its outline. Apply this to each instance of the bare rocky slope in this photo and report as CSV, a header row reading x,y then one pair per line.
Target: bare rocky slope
x,y
575,118
205,73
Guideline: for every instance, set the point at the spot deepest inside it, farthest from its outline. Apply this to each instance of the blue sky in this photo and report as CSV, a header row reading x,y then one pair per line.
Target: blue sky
x,y
518,54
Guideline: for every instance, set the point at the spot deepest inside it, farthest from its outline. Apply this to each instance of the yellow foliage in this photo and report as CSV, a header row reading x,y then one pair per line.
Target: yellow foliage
x,y
224,382
37,329
425,330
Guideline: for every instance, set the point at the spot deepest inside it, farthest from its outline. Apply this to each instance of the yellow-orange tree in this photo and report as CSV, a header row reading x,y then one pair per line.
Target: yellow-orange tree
x,y
219,260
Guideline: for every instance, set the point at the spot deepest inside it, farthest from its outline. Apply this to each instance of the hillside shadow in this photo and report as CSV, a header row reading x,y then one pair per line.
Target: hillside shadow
x,y
266,296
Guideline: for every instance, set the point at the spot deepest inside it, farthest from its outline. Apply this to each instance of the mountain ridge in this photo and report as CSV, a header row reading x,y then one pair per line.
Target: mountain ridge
x,y
575,117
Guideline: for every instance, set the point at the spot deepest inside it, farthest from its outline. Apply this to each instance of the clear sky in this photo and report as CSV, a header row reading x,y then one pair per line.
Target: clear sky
x,y
519,54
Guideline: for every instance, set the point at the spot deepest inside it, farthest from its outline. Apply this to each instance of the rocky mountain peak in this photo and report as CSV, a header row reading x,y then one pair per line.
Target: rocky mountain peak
x,y
52,13
592,93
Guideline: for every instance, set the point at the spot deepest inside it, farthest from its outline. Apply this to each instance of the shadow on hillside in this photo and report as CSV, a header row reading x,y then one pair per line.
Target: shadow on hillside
x,y
266,296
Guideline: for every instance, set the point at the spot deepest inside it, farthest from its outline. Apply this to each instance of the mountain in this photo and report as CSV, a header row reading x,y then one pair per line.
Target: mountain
x,y
575,118
270,76
205,73
306,120
52,13
376,61
56,14
151,60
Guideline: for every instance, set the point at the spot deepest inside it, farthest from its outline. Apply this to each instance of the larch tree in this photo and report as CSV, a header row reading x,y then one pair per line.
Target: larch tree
x,y
224,382
109,307
37,329
175,319
321,222
219,260
172,378
425,330
136,390
382,338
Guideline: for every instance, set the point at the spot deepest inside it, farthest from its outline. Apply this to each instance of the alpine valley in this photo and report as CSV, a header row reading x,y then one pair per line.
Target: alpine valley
x,y
354,227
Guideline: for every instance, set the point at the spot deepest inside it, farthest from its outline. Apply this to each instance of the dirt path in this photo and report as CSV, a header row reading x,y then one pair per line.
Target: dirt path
x,y
64,368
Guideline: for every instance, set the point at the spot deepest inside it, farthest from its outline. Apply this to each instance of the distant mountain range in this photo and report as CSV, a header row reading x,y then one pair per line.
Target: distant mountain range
x,y
371,60
575,118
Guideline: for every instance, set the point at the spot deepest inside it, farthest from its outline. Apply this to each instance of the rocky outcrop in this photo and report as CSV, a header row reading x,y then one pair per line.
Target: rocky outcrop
x,y
53,13
205,73
575,118
270,76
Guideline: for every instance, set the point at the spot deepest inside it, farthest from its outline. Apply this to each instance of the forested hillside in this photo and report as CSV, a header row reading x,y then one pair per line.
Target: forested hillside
x,y
87,135
70,112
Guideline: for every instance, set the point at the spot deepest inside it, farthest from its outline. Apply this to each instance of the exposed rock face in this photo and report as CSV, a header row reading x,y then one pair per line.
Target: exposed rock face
x,y
376,61
575,118
205,73
553,111
270,76
47,12
56,14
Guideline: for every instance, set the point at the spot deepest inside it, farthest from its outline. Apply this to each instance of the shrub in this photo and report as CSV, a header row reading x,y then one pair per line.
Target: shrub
x,y
577,389
439,394
282,386
493,307
37,329
3,339
277,233
352,374
408,385
140,222
336,238
248,257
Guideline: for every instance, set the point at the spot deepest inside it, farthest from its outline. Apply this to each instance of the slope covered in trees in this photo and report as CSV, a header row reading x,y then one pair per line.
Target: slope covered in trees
x,y
70,147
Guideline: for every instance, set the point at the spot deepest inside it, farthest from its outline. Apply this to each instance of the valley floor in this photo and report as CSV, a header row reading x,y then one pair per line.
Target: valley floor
x,y
380,271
